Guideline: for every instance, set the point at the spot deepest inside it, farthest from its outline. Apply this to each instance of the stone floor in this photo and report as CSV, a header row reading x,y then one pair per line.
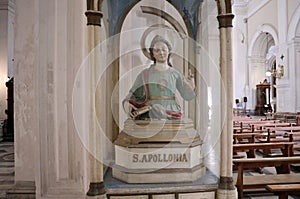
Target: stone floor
x,y
7,174
6,167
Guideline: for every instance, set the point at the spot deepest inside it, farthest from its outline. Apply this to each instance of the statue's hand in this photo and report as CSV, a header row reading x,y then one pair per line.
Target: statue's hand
x,y
128,108
191,79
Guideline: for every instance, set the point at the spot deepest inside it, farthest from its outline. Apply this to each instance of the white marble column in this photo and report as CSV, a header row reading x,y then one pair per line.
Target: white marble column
x,y
293,60
226,187
285,102
96,186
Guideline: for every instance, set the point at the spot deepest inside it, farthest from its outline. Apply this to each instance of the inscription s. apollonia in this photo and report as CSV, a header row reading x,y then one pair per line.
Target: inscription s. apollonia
x,y
153,158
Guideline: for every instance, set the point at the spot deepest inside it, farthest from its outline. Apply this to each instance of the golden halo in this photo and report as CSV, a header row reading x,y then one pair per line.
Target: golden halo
x,y
145,50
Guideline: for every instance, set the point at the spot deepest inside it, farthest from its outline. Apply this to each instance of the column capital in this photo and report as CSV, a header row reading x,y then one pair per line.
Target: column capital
x,y
225,20
93,17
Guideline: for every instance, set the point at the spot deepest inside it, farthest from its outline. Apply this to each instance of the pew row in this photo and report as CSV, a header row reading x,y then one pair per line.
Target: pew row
x,y
281,164
288,117
284,190
286,148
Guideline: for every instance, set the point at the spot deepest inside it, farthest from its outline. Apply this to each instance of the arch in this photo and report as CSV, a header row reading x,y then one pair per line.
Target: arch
x,y
164,15
294,24
123,16
159,13
257,38
257,51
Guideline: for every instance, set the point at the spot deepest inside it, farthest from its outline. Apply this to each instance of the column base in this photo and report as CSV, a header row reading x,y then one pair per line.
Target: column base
x,y
22,190
96,189
226,189
227,194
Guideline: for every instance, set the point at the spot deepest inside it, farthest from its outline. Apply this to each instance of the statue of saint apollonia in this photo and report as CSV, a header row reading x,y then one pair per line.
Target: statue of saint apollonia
x,y
153,92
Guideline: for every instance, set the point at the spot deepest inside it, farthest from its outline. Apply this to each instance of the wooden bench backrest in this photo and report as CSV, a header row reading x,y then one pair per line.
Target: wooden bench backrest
x,y
263,162
283,187
287,128
262,145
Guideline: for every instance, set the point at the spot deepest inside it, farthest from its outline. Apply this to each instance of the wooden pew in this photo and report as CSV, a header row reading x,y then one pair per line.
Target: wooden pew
x,y
284,190
259,121
272,124
282,137
251,124
237,137
248,129
250,136
286,148
281,164
291,117
240,112
285,128
288,117
287,132
236,118
238,122
293,137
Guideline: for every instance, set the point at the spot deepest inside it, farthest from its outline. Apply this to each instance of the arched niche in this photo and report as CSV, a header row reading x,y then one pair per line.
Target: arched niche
x,y
140,25
264,39
187,12
131,25
120,10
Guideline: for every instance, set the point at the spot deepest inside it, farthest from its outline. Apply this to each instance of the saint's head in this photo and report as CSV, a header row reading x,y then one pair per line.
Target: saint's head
x,y
160,50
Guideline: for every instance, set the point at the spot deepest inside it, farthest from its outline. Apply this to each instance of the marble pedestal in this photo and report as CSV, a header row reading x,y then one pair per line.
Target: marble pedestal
x,y
158,151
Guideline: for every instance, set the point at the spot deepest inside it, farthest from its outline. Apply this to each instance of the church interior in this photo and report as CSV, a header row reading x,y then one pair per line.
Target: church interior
x,y
91,107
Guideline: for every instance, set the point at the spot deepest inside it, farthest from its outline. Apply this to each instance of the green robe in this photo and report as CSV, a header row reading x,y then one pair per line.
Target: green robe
x,y
151,83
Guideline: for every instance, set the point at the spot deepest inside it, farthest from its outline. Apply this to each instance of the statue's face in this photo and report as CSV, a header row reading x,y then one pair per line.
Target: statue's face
x,y
160,52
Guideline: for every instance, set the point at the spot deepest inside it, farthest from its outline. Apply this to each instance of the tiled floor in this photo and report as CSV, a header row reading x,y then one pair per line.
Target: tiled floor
x,y
7,174
6,167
